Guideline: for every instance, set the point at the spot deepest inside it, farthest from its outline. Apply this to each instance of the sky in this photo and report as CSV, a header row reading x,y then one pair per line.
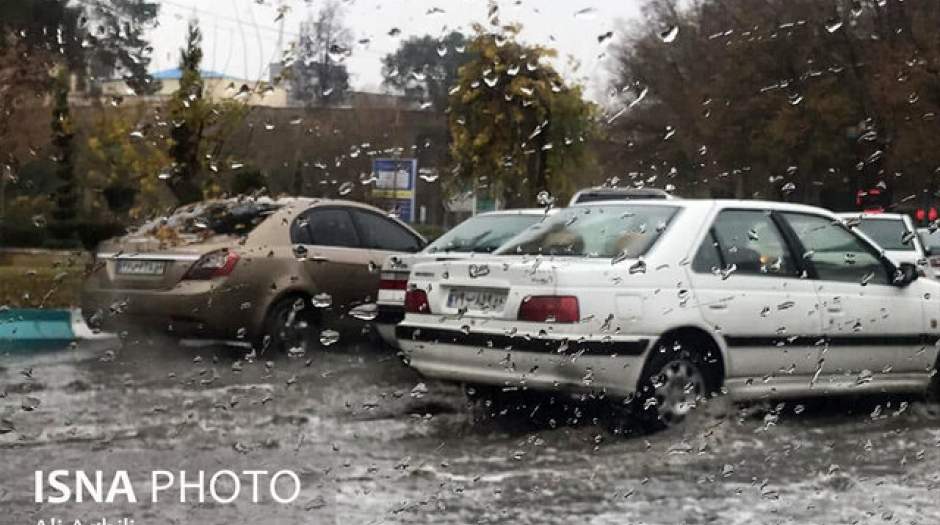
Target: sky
x,y
240,37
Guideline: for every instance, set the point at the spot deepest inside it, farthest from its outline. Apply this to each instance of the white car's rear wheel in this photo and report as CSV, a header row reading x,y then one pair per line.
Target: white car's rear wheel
x,y
679,375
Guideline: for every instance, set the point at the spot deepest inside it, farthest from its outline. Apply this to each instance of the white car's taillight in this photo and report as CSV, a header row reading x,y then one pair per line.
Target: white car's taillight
x,y
393,281
214,264
416,302
550,308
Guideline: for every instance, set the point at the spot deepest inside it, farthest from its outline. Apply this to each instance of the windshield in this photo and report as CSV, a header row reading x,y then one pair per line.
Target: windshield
x,y
483,233
889,234
930,240
595,231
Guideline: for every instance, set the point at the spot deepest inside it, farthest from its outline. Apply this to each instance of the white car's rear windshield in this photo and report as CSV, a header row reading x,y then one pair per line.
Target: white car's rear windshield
x,y
594,231
483,233
891,235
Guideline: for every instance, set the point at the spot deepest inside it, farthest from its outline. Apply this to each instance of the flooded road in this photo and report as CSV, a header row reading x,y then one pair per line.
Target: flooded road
x,y
372,442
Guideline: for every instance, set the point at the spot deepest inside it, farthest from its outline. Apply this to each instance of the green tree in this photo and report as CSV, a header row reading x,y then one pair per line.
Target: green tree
x,y
124,162
515,126
426,68
63,136
189,114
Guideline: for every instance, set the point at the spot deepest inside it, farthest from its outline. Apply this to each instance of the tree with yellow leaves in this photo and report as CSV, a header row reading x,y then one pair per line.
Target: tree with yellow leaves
x,y
517,129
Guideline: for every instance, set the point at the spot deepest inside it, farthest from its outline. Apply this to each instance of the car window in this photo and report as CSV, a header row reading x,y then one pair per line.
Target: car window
x,y
888,233
750,243
382,233
595,231
836,253
325,227
483,233
930,240
708,256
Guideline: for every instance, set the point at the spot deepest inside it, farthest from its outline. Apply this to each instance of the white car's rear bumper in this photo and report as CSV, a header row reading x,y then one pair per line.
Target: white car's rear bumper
x,y
550,363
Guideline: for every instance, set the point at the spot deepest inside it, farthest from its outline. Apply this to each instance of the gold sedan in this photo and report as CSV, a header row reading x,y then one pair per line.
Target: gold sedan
x,y
256,271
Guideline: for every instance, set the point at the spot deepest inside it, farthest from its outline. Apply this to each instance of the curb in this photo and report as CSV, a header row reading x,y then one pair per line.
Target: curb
x,y
39,329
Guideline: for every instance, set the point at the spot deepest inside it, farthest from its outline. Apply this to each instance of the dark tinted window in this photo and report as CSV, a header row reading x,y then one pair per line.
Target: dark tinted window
x,y
751,243
889,234
325,227
707,258
382,233
835,252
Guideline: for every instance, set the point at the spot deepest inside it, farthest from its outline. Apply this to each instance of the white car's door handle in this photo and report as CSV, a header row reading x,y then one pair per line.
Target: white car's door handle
x,y
718,306
318,258
834,309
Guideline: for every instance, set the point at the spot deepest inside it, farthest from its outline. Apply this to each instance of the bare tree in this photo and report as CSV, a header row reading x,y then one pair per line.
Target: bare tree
x,y
318,74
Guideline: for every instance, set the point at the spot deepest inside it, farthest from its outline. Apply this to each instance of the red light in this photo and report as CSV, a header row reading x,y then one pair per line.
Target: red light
x,y
920,215
393,284
416,302
550,308
932,215
214,264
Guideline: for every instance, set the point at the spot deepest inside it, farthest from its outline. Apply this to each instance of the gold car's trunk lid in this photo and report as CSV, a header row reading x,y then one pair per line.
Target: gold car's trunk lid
x,y
147,263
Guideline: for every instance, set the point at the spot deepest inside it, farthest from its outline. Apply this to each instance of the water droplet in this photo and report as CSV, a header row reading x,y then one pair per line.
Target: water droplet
x,y
365,312
585,14
833,25
329,337
322,300
346,188
637,267
29,404
669,34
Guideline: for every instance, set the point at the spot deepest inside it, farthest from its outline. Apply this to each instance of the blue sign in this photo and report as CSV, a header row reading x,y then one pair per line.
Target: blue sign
x,y
395,185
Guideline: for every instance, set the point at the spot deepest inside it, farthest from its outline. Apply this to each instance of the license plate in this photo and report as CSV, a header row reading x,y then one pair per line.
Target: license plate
x,y
139,267
477,299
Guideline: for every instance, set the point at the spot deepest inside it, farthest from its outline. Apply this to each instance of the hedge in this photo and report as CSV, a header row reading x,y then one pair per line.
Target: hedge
x,y
63,235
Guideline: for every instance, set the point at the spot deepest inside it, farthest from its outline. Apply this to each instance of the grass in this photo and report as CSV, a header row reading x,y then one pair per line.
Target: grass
x,y
41,279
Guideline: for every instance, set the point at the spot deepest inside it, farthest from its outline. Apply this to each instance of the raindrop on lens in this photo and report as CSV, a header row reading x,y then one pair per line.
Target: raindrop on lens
x,y
322,300
329,337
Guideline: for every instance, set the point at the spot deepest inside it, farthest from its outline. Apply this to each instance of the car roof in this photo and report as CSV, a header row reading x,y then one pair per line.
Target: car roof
x,y
705,204
517,211
871,216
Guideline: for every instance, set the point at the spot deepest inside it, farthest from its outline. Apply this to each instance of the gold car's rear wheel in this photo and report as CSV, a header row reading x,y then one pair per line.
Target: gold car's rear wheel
x,y
290,327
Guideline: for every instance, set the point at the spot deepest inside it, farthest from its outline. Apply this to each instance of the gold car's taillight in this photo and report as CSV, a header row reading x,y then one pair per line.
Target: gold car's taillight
x,y
214,264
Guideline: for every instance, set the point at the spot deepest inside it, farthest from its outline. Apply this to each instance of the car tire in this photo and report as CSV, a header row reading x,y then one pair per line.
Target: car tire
x,y
679,375
290,328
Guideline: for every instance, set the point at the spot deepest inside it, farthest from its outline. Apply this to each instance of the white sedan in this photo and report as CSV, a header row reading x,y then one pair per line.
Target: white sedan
x,y
479,235
657,304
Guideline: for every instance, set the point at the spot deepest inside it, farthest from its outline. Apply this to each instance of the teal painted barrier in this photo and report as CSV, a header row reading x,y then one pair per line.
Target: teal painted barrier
x,y
35,329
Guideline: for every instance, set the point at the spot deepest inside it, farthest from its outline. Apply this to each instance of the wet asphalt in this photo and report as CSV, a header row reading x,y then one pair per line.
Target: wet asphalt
x,y
372,442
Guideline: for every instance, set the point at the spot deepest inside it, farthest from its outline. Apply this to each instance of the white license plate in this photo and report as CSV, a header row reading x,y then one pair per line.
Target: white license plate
x,y
140,267
477,299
